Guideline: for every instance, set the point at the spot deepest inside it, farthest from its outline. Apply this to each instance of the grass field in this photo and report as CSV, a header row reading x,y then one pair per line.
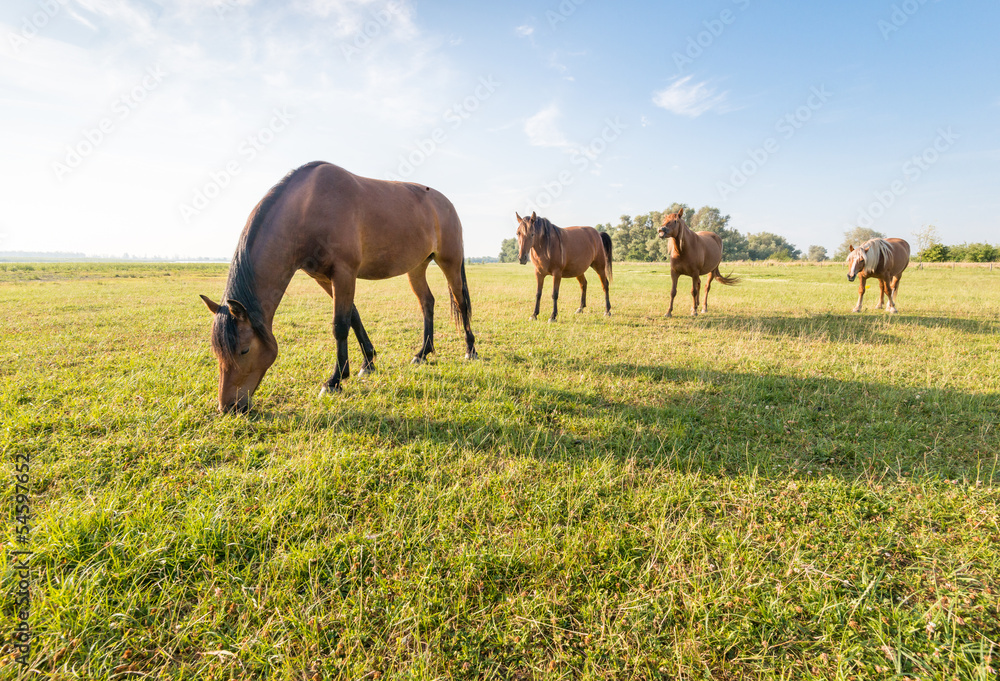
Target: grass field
x,y
777,490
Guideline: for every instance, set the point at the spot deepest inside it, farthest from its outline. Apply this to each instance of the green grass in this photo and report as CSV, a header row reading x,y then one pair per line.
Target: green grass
x,y
778,490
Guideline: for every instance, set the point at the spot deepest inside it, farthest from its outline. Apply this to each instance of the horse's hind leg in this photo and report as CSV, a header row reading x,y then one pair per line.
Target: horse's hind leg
x,y
695,289
883,291
460,300
607,297
893,291
367,349
418,282
708,287
583,293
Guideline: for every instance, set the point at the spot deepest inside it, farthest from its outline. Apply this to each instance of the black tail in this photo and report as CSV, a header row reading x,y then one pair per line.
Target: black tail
x,y
606,240
466,301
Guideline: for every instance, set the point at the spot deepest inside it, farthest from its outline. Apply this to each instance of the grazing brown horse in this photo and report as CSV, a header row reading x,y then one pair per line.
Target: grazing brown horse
x,y
692,254
562,253
337,227
884,259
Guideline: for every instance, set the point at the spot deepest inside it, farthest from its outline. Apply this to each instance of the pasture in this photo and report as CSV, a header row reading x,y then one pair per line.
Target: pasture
x,y
779,489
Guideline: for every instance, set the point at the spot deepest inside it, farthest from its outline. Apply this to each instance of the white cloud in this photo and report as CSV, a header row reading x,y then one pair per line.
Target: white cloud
x,y
525,30
689,99
542,129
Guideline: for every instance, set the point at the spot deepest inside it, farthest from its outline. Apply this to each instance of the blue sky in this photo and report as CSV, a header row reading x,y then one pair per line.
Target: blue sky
x,y
153,128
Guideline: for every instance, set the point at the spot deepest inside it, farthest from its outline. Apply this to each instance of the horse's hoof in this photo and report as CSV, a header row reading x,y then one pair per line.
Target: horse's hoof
x,y
327,390
579,310
472,355
533,318
418,360
608,313
551,320
365,371
669,314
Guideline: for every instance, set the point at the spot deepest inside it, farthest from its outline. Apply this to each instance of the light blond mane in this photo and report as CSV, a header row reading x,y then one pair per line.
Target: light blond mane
x,y
870,252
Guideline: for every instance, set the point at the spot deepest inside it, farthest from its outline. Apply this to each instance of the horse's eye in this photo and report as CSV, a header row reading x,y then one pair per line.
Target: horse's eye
x,y
243,352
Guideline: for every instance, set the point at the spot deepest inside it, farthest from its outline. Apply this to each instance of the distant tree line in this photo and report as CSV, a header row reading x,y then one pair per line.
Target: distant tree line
x,y
636,239
926,248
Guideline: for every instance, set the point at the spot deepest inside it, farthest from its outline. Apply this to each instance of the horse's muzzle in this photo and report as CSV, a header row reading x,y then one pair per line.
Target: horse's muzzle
x,y
524,260
241,406
851,277
662,233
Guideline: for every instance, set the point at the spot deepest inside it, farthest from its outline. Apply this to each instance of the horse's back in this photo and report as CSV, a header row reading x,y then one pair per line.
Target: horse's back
x,y
381,227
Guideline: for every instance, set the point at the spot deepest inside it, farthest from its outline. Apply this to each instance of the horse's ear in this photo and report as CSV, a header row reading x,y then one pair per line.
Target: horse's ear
x,y
212,305
850,248
518,216
533,216
237,310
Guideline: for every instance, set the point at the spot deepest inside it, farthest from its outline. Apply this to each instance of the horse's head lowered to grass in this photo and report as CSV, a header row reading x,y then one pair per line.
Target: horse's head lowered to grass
x,y
245,349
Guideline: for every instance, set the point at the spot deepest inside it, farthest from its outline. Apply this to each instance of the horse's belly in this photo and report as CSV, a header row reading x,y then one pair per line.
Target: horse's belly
x,y
388,268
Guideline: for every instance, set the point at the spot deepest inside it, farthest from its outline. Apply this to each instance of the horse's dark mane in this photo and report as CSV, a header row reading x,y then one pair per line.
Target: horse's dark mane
x,y
241,283
550,233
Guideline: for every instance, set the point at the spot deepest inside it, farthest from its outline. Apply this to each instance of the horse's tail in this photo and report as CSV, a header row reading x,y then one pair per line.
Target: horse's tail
x,y
728,281
461,308
606,241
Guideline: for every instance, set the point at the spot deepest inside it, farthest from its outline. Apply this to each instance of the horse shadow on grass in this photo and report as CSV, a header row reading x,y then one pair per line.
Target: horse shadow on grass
x,y
714,422
863,328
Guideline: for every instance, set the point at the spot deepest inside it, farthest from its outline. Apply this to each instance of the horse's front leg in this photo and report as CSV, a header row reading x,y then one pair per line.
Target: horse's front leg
x,y
695,290
861,293
583,293
367,349
556,279
343,311
673,291
540,278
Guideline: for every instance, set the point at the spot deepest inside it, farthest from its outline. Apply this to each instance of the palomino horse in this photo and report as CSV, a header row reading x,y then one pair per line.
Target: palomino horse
x,y
562,253
884,259
337,227
692,254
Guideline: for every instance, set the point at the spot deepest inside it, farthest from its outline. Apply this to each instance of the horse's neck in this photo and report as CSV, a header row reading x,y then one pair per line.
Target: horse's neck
x,y
550,250
684,237
273,266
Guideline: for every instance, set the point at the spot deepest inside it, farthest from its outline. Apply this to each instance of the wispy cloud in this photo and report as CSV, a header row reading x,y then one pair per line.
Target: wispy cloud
x,y
685,98
525,30
543,131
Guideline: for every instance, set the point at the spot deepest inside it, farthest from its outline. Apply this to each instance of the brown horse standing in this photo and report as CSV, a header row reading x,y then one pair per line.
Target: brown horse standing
x,y
884,259
692,254
337,227
562,253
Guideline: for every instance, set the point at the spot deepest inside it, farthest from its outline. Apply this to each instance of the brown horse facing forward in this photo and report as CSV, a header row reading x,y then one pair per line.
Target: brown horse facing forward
x,y
884,259
337,227
568,252
692,254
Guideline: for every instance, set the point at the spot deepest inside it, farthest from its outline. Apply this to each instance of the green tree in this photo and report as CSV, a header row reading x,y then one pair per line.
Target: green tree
x,y
508,250
978,252
816,254
855,237
769,246
926,237
734,243
934,253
